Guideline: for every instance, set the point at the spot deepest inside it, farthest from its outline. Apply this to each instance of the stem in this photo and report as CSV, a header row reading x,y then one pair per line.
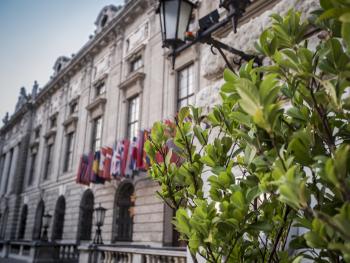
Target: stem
x,y
188,148
319,109
279,234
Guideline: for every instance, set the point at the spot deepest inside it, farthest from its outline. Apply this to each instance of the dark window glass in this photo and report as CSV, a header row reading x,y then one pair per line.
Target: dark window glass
x,y
8,169
2,165
123,213
85,216
37,133
38,220
185,85
133,117
53,122
48,164
23,222
58,220
135,64
68,157
73,107
32,168
96,134
4,225
100,89
104,20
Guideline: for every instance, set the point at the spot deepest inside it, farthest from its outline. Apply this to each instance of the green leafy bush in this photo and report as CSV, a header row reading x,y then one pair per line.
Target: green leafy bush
x,y
275,152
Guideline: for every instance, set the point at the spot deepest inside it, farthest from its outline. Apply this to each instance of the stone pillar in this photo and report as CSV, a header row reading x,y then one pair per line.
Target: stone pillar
x,y
4,173
12,172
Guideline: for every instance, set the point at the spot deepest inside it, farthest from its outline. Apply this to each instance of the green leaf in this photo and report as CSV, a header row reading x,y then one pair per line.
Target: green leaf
x,y
345,31
183,113
229,76
261,226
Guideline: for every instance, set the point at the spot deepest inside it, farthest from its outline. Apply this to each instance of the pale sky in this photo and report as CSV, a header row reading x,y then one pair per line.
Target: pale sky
x,y
33,34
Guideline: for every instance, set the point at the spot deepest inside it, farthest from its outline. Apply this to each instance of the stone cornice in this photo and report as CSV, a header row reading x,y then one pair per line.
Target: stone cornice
x,y
50,133
132,79
70,120
125,16
97,102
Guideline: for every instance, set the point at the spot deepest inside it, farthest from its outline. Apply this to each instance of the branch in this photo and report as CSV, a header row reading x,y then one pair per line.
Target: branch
x,y
279,234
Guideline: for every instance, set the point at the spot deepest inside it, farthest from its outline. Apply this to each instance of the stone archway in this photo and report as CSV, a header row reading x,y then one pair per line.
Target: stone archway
x,y
85,216
123,218
23,222
58,220
40,210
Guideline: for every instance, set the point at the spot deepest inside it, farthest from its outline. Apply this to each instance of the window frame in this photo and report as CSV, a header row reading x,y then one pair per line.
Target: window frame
x,y
133,122
135,63
33,157
69,150
49,160
188,95
94,133
53,122
100,88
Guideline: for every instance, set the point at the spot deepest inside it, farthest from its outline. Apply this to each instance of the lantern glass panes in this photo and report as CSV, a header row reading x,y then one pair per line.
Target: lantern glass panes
x,y
47,220
100,215
175,16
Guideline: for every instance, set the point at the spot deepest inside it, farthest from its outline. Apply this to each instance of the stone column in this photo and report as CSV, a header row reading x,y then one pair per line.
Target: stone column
x,y
12,172
4,173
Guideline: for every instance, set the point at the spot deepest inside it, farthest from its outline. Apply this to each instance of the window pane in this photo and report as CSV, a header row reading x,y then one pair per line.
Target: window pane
x,y
185,87
96,134
133,117
69,152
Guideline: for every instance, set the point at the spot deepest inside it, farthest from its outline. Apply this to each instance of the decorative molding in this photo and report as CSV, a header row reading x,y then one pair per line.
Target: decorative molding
x,y
136,52
70,120
135,78
100,79
50,136
97,107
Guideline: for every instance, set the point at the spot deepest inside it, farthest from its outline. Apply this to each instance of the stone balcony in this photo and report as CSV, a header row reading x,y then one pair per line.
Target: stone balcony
x,y
131,254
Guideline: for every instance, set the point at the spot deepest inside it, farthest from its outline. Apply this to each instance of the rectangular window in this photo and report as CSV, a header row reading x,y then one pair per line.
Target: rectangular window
x,y
53,122
8,169
135,64
2,165
100,89
68,157
73,107
185,87
48,163
32,168
96,135
133,117
37,133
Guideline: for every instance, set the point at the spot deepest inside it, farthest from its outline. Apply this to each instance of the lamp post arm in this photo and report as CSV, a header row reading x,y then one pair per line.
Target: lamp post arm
x,y
246,57
205,36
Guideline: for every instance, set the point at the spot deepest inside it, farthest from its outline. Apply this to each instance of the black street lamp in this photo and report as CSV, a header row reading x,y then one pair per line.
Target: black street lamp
x,y
175,17
99,218
46,223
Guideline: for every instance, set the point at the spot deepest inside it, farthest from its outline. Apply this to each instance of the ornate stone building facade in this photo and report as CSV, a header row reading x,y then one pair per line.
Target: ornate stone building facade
x,y
120,81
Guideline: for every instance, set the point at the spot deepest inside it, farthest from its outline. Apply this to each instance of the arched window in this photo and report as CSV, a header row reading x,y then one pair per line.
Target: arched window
x,y
58,220
4,223
85,216
104,20
40,209
23,222
123,213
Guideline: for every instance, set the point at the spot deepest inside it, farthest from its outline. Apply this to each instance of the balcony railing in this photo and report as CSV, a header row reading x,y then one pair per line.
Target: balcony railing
x,y
121,254
37,251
